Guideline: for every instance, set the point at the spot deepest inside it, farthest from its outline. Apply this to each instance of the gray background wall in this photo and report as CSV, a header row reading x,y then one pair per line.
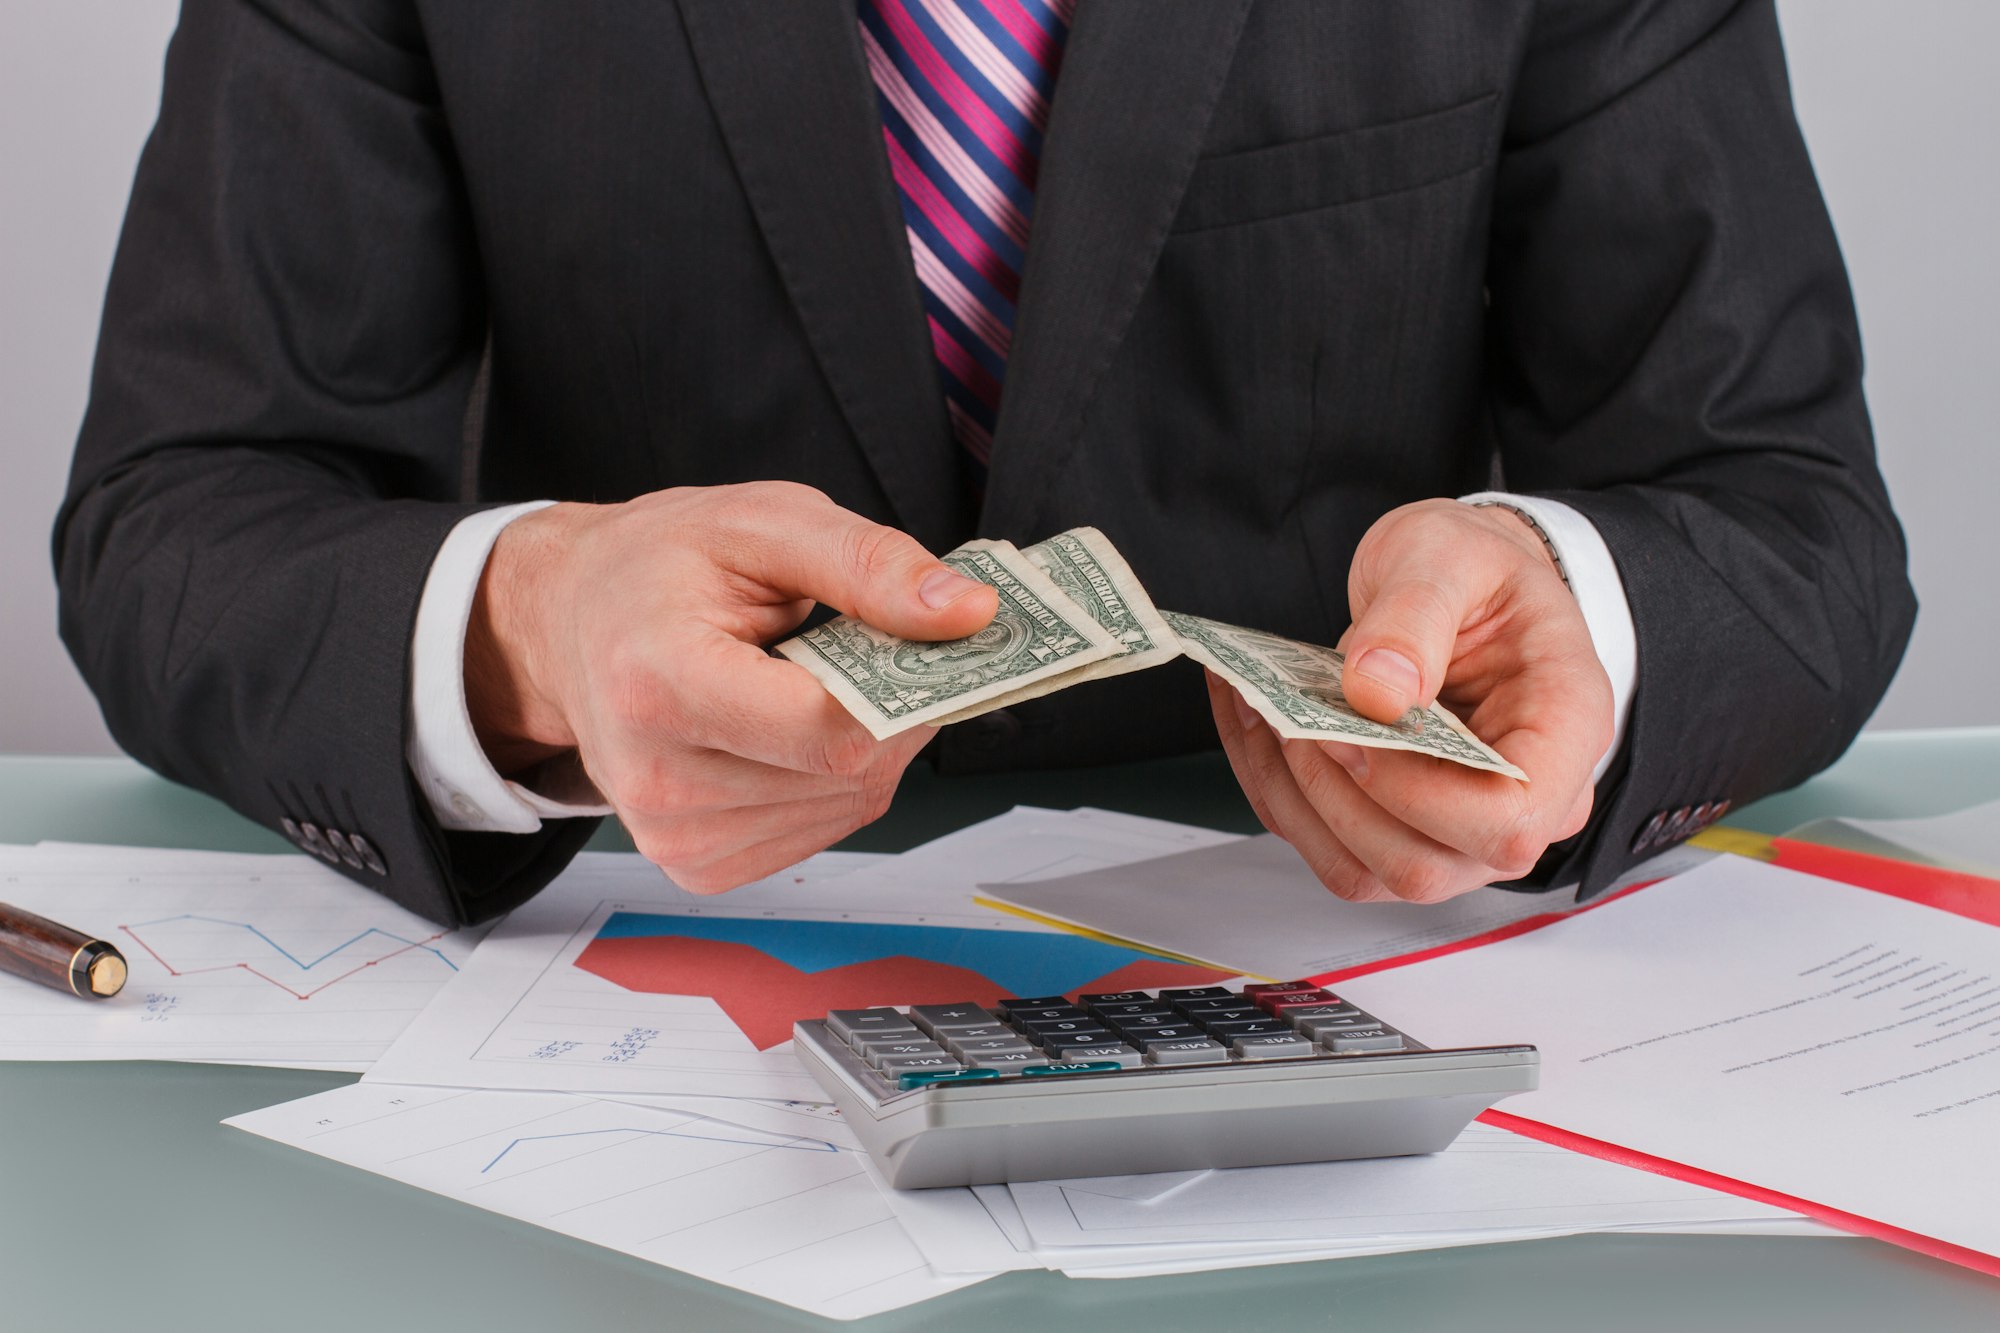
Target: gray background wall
x,y
1897,102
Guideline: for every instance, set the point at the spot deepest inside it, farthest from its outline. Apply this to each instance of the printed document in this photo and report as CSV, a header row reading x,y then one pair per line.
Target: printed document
x,y
1826,1042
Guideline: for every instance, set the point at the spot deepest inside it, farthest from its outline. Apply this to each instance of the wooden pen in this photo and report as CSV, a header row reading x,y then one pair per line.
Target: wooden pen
x,y
37,948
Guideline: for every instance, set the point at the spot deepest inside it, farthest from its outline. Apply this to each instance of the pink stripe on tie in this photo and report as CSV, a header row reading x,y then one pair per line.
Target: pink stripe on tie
x,y
990,199
962,367
993,66
978,117
976,252
1032,36
944,285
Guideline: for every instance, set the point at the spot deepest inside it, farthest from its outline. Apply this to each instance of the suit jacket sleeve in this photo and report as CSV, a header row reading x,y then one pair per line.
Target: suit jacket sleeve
x,y
1673,352
272,451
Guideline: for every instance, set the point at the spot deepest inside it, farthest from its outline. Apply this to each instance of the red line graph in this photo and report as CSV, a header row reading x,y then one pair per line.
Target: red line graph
x,y
403,947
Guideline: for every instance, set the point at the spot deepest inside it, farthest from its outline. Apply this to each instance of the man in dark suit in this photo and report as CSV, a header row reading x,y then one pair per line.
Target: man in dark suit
x,y
1265,285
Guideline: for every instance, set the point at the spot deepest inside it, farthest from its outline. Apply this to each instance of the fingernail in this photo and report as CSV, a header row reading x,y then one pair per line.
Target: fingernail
x,y
1386,666
944,586
1246,716
1350,757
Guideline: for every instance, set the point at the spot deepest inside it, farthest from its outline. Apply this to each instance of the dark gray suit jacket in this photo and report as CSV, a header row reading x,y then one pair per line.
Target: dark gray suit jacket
x,y
1294,263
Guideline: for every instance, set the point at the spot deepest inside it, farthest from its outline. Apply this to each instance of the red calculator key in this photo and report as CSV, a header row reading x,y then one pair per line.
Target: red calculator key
x,y
1279,1001
1261,988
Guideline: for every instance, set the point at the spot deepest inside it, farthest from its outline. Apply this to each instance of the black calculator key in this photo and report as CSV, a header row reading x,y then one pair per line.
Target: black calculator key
x,y
1196,993
1261,988
1054,1043
1059,1071
1083,1024
1147,1021
1008,1006
1217,1004
1148,1038
1229,1029
1129,1008
1047,1013
1113,997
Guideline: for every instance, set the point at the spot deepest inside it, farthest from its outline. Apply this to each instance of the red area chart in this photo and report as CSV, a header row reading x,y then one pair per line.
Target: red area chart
x,y
764,995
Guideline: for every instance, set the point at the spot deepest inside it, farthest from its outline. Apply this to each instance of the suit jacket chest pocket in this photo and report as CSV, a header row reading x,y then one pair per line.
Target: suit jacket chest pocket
x,y
1286,179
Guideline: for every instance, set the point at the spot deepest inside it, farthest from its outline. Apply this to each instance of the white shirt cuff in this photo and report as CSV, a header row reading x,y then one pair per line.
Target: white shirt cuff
x,y
1600,595
465,791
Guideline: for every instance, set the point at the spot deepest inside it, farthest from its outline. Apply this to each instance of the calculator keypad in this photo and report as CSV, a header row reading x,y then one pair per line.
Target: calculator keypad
x,y
1051,1036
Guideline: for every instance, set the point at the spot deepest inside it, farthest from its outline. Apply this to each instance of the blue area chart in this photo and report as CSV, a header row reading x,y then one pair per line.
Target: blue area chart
x,y
767,973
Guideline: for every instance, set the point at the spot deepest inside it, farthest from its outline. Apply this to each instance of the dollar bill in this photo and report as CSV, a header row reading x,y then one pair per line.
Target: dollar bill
x,y
1087,568
891,684
1296,687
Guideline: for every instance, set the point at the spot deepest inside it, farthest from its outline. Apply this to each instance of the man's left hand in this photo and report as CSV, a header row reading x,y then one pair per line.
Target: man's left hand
x,y
1462,605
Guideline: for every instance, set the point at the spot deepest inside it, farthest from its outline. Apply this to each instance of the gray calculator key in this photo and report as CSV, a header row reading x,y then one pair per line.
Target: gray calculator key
x,y
967,1050
866,1041
1362,1039
1286,1047
895,1065
941,1018
1123,1056
1197,1051
879,1056
848,1022
1319,1026
1008,1062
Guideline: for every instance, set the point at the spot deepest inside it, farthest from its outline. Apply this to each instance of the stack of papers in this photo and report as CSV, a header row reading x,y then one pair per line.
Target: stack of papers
x,y
613,1062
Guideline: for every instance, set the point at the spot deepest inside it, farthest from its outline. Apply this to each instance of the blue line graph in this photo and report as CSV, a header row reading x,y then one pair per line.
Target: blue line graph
x,y
795,1145
293,958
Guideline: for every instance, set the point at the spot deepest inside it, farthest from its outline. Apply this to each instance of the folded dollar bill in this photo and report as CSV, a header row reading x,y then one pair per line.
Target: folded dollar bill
x,y
1071,610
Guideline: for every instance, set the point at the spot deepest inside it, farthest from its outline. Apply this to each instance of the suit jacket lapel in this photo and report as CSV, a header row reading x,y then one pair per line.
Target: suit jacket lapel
x,y
793,97
1138,85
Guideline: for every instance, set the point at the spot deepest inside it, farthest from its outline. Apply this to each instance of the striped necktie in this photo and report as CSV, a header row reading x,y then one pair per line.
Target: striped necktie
x,y
964,88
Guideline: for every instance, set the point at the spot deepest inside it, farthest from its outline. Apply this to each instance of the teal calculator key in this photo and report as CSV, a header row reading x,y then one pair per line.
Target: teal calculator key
x,y
917,1079
1087,1067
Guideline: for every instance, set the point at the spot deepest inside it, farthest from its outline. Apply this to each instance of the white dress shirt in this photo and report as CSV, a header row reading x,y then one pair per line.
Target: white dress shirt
x,y
466,792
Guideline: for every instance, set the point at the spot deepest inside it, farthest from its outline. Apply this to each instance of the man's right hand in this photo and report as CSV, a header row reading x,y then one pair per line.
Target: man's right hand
x,y
633,633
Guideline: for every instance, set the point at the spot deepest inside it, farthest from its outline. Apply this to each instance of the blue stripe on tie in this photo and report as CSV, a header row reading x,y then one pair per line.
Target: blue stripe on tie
x,y
975,217
990,165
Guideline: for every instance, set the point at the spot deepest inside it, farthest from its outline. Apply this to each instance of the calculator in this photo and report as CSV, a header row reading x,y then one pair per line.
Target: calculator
x,y
1047,1087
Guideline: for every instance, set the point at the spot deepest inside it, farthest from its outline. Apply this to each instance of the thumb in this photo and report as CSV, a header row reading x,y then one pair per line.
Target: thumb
x,y
1401,643
875,573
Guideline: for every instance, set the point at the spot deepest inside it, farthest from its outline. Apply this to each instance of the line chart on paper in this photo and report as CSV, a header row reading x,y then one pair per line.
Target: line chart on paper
x,y
792,1218
250,959
349,958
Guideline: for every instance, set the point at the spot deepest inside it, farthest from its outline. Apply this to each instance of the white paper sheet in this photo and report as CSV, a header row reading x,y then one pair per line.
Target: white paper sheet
x,y
611,981
1967,840
1252,905
1031,843
1823,1041
1487,1181
785,1217
234,958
